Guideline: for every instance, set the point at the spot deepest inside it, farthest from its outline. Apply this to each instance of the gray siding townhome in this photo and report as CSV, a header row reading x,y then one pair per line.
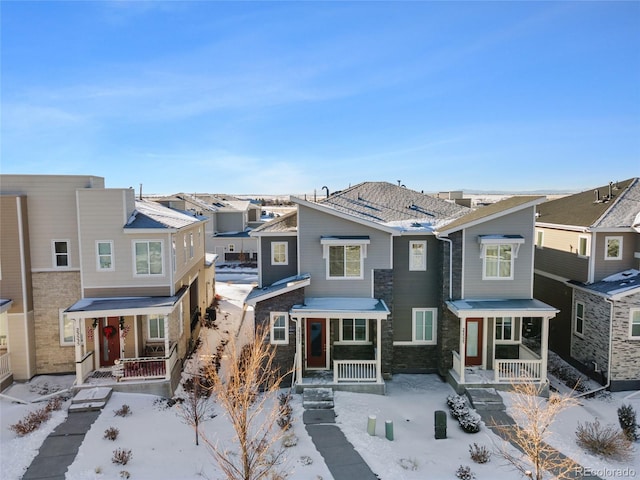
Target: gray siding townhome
x,y
587,264
356,287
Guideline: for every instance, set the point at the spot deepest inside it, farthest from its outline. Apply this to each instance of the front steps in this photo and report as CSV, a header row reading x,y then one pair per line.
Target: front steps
x,y
90,399
317,398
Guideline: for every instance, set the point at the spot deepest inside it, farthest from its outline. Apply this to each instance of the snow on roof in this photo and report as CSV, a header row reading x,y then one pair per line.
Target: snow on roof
x,y
619,284
150,214
342,305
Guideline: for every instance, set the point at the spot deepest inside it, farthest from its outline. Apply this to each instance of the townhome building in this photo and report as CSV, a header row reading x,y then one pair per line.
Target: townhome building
x,y
98,282
587,264
378,279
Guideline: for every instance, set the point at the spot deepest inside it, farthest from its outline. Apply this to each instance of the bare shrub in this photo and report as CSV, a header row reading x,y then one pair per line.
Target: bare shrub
x,y
605,441
121,456
479,453
111,433
196,407
54,404
465,473
123,411
31,422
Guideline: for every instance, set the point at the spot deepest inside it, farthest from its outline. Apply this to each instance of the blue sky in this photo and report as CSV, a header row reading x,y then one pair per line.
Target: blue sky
x,y
287,97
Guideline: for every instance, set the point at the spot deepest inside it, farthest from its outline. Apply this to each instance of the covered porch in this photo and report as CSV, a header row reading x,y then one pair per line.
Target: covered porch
x,y
491,349
338,344
6,374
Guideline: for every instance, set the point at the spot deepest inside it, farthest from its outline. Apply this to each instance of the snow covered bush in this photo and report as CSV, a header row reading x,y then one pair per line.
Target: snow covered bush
x,y
121,456
479,453
457,406
465,473
627,419
111,433
470,422
123,411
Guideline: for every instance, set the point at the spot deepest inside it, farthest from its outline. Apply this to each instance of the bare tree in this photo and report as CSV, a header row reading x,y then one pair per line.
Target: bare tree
x,y
196,406
534,417
246,388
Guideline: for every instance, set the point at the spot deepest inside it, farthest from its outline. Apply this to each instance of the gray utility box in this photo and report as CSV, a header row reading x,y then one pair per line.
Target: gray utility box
x,y
440,418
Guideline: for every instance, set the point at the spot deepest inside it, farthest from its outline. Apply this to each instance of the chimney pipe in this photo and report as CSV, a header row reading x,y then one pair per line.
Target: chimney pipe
x,y
140,191
597,192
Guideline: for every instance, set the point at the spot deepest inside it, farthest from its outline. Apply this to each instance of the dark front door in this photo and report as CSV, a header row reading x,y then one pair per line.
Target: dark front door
x,y
109,341
316,343
473,342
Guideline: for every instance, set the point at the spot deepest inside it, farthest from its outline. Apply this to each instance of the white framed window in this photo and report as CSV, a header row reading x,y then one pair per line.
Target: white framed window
x,y
173,254
505,329
418,255
181,319
498,262
578,321
191,246
231,248
104,255
67,329
583,246
155,327
424,325
279,328
354,330
184,247
613,248
279,253
344,257
148,257
61,254
539,238
634,323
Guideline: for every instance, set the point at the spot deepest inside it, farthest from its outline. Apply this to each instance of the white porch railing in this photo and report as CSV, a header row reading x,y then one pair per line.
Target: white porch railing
x,y
514,371
5,368
354,371
84,367
142,368
457,364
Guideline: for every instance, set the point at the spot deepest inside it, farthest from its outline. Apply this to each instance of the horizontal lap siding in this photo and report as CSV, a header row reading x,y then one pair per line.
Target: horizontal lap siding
x,y
558,255
604,268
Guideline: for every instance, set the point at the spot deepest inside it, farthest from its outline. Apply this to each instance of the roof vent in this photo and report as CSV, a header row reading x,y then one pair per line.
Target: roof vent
x,y
597,192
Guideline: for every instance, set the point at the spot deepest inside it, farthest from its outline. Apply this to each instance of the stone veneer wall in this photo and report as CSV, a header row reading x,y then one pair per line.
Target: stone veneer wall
x,y
383,289
284,354
448,323
53,291
625,368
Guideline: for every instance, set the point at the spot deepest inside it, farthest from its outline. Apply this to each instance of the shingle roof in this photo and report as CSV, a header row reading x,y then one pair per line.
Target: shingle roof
x,y
150,214
583,210
287,223
618,285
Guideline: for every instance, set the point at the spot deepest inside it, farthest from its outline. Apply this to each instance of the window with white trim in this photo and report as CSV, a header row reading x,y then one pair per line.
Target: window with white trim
x,y
155,327
104,251
578,322
583,246
67,328
184,247
634,323
279,253
505,330
61,254
173,254
231,247
539,238
191,249
354,330
424,325
344,257
279,328
498,253
418,255
148,257
613,248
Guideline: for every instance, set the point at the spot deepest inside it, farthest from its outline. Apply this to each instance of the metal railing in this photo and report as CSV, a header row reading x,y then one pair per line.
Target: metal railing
x,y
84,366
355,371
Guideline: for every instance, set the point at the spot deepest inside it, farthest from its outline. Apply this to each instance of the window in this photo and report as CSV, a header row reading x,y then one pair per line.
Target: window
x,y
191,245
634,327
279,253
279,328
418,255
148,258
156,327
232,247
579,319
504,328
184,247
583,246
105,255
345,261
613,248
173,254
354,330
424,325
498,262
67,328
61,253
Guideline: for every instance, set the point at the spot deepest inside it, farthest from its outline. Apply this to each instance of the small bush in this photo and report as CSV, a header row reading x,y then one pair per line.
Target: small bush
x,y
465,473
604,441
470,422
627,419
479,453
284,418
111,433
31,422
121,456
54,404
408,463
306,460
457,405
124,474
289,440
123,411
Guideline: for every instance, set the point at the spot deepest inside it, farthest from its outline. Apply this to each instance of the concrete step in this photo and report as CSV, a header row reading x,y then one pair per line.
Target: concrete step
x,y
317,398
487,399
90,399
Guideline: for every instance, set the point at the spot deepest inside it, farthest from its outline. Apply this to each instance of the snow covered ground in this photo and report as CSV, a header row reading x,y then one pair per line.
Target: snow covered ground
x,y
163,446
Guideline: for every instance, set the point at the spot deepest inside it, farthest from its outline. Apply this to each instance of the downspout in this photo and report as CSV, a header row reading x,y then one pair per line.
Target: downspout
x,y
599,389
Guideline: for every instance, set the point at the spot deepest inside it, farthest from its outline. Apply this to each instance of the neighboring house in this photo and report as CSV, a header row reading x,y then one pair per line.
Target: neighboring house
x,y
586,265
97,279
359,286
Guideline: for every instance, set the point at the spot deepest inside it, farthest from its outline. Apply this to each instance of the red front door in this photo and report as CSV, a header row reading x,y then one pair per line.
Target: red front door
x,y
109,341
316,343
473,342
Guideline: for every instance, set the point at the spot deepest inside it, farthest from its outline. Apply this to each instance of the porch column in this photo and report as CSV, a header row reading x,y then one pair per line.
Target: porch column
x,y
298,355
167,353
379,351
544,348
78,331
462,349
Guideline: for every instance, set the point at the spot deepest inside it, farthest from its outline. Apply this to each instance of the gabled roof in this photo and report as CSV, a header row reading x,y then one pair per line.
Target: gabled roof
x,y
278,288
595,210
390,206
286,224
489,212
150,214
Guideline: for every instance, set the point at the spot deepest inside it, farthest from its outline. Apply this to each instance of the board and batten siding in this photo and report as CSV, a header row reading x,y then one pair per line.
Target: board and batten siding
x,y
559,254
312,225
273,273
517,223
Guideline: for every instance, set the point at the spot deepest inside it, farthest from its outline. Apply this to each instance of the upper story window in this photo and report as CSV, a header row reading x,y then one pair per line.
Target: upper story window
x,y
173,254
613,248
184,247
418,255
498,253
155,324
354,330
583,246
424,325
578,324
104,258
61,254
344,256
191,246
279,327
279,253
148,257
